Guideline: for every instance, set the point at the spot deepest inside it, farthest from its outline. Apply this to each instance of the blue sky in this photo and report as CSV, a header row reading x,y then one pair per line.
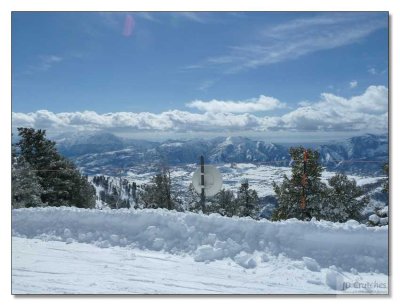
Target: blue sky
x,y
189,72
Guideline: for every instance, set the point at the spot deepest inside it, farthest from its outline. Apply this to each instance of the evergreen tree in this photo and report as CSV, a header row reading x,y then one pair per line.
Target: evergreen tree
x,y
386,183
344,201
62,184
304,196
25,185
192,199
247,202
301,195
160,192
133,193
226,204
116,195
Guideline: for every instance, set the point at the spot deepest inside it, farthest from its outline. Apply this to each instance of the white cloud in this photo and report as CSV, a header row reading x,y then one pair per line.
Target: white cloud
x,y
296,38
262,103
366,112
43,63
353,84
372,71
192,16
113,20
304,103
147,15
206,85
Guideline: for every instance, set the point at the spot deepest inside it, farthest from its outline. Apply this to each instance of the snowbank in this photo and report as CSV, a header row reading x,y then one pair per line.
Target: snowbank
x,y
347,246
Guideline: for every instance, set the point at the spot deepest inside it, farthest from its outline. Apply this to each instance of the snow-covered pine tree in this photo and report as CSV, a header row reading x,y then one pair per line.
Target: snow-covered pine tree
x,y
386,182
25,186
344,200
247,201
61,182
160,193
112,193
192,199
301,195
225,203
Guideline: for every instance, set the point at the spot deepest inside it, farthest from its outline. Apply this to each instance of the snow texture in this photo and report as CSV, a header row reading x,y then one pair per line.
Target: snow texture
x,y
207,238
374,219
334,280
54,267
311,264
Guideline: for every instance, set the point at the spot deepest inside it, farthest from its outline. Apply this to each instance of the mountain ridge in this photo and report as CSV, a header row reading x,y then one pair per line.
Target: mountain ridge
x,y
359,154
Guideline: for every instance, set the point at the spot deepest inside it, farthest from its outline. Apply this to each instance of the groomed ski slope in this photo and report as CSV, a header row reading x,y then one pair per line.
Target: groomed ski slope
x,y
70,250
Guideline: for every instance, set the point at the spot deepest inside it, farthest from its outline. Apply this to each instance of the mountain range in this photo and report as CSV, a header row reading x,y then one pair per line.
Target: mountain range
x,y
361,154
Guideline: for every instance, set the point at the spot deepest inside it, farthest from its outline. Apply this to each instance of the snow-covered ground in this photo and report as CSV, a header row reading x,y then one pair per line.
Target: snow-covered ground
x,y
56,267
260,176
70,250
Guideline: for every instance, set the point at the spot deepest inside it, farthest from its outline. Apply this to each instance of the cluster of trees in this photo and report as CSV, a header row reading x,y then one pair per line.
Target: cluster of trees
x,y
41,176
305,196
162,193
120,195
245,203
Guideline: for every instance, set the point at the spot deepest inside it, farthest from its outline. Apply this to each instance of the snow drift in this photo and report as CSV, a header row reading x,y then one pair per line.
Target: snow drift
x,y
346,245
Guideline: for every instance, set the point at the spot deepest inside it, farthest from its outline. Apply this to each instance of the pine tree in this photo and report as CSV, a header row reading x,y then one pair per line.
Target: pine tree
x,y
62,184
192,199
226,204
304,196
133,194
386,182
301,195
160,193
25,185
344,201
247,201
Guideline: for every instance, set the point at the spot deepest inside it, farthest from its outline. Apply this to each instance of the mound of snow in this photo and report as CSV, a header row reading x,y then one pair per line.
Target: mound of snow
x,y
334,280
374,219
207,253
346,245
245,260
384,221
384,211
311,264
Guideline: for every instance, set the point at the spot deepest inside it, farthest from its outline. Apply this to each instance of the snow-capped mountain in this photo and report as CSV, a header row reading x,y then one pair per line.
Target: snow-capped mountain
x,y
241,149
80,144
361,154
365,153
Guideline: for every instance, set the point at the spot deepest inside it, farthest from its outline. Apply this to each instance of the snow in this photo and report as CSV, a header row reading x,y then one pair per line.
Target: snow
x,y
207,238
54,267
260,176
374,219
311,264
245,260
384,221
207,253
334,280
384,211
171,144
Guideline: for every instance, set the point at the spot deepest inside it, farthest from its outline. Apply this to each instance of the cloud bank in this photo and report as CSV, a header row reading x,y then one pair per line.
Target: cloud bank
x,y
262,103
366,112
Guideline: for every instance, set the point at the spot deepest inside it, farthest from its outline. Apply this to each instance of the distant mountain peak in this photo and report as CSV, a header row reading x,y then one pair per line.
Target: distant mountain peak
x,y
106,148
